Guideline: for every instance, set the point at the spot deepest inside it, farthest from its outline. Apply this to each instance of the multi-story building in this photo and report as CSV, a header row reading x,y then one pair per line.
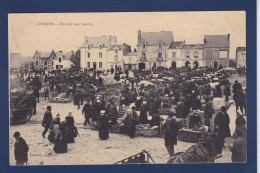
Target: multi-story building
x,y
216,50
43,60
175,55
62,60
130,60
241,57
115,55
192,55
93,51
152,48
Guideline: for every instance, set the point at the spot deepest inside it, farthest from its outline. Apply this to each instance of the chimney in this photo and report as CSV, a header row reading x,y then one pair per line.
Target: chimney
x,y
139,35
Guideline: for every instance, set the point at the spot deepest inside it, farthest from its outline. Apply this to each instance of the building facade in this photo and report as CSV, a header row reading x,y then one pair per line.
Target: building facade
x,y
216,50
93,52
192,56
115,56
241,57
152,49
43,60
130,61
62,60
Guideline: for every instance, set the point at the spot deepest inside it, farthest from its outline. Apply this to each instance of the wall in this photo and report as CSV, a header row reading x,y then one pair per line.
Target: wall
x,y
241,59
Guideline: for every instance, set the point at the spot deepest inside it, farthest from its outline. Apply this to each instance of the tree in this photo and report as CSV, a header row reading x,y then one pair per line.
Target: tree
x,y
232,63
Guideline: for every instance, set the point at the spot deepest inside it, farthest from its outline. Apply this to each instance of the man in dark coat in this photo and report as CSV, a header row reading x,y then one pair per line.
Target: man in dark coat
x,y
87,110
112,112
239,149
131,122
171,131
208,111
227,92
237,86
240,126
96,111
144,113
221,128
47,120
34,105
103,125
20,149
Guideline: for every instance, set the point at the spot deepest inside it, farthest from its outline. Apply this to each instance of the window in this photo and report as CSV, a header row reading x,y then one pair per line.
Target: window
x,y
100,64
116,58
144,45
100,55
174,54
89,46
160,54
45,62
88,64
143,55
187,54
100,46
36,62
59,59
195,54
116,51
210,64
88,55
130,59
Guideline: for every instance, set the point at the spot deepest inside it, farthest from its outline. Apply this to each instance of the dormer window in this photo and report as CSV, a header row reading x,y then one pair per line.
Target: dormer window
x,y
89,46
59,59
116,51
143,46
100,46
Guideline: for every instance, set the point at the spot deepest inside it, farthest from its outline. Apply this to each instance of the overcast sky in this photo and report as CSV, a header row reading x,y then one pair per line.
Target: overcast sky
x,y
26,34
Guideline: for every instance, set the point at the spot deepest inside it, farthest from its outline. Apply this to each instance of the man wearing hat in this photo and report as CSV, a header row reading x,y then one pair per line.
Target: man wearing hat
x,y
103,125
131,122
47,120
20,149
221,128
87,110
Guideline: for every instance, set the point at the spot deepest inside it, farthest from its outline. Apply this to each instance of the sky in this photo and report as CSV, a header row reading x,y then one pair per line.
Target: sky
x,y
29,32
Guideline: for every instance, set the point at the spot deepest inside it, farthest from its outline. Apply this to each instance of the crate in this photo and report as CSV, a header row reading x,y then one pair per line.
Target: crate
x,y
189,136
152,132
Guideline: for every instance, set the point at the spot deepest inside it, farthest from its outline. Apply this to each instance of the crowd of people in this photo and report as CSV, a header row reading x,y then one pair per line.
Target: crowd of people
x,y
144,94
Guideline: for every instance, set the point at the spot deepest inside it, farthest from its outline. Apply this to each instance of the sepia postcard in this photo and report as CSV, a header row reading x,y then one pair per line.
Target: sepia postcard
x,y
127,88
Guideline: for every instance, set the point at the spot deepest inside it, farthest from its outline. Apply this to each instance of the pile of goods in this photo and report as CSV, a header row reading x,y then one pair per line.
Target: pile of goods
x,y
146,130
61,98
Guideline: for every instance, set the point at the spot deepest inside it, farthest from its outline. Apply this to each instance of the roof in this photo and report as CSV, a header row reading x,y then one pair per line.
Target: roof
x,y
120,46
218,41
192,46
97,41
241,48
44,55
130,54
65,55
176,44
152,38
